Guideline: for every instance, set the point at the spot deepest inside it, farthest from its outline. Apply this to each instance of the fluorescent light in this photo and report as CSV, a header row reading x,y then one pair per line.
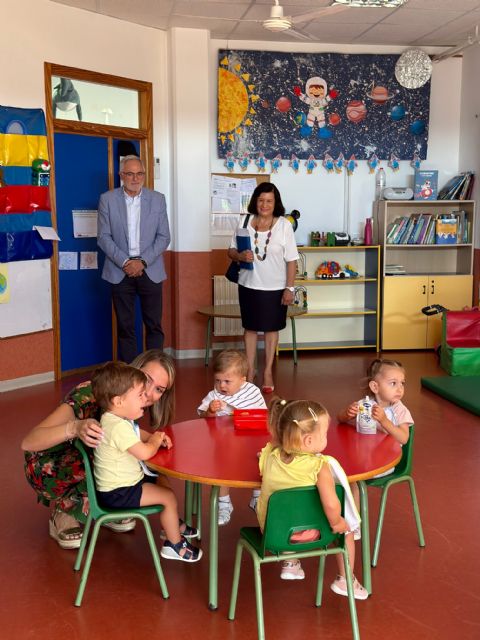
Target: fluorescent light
x,y
388,4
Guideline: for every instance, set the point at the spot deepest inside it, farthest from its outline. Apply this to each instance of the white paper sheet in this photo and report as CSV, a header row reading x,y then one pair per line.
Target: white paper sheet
x,y
88,260
68,260
84,223
47,233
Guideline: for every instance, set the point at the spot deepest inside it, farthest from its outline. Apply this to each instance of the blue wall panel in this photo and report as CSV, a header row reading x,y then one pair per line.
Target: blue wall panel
x,y
81,175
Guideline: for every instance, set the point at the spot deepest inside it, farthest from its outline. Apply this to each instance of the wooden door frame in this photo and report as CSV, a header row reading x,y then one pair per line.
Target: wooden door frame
x,y
144,134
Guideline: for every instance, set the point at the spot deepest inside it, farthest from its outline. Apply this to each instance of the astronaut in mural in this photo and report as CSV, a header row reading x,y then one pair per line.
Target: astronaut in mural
x,y
317,99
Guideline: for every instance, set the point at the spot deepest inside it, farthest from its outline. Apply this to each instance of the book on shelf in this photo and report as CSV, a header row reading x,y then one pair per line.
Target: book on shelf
x,y
394,270
446,230
459,187
425,185
430,228
426,218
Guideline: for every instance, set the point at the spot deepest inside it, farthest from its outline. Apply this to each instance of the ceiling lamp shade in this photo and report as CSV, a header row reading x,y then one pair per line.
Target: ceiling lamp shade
x,y
413,68
389,4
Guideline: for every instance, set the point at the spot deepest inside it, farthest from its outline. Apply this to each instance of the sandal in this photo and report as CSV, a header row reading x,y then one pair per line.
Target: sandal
x,y
189,532
171,551
67,538
339,585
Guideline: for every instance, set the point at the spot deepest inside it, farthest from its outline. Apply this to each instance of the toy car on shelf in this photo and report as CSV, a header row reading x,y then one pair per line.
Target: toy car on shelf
x,y
329,269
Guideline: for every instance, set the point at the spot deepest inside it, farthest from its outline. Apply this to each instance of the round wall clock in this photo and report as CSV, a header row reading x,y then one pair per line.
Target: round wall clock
x,y
413,68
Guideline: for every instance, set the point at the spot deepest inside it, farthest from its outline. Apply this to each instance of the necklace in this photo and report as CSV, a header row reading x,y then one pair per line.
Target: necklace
x,y
255,242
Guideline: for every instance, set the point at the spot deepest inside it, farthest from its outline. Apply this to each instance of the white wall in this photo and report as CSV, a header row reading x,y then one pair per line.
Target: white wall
x,y
470,121
320,197
38,31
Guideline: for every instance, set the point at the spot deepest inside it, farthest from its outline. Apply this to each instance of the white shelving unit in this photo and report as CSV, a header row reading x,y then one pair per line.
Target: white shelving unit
x,y
342,313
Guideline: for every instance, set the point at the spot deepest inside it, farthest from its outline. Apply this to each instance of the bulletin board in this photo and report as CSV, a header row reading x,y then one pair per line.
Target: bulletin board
x,y
29,308
223,224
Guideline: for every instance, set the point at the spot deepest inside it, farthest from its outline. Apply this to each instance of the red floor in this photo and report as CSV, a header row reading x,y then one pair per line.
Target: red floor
x,y
429,593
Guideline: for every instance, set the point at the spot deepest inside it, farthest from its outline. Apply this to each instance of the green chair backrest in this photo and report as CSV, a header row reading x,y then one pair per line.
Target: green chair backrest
x,y
404,467
297,509
95,508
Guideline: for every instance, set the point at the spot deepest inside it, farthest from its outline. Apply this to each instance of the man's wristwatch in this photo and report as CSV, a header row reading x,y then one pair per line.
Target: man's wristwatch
x,y
292,289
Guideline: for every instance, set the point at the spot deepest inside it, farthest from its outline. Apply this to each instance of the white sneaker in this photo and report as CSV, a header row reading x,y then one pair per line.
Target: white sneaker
x,y
224,512
292,570
121,526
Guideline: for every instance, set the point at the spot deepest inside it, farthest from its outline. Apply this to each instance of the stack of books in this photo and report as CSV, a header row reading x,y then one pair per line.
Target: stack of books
x,y
459,187
394,270
421,228
418,228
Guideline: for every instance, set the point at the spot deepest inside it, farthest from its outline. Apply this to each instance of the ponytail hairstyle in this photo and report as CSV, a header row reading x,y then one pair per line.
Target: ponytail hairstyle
x,y
290,420
375,369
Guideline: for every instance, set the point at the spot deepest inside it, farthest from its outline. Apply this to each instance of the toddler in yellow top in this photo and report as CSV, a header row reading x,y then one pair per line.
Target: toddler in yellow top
x,y
122,479
294,459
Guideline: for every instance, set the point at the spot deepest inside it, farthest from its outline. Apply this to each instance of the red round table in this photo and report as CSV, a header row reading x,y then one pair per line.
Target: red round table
x,y
210,451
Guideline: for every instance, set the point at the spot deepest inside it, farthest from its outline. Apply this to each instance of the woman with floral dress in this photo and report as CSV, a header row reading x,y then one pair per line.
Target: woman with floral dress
x,y
53,465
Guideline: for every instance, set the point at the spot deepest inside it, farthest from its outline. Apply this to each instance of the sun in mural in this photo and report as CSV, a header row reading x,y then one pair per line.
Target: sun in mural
x,y
236,100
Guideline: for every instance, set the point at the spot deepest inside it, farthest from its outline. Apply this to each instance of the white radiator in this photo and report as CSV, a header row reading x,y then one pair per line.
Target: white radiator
x,y
225,292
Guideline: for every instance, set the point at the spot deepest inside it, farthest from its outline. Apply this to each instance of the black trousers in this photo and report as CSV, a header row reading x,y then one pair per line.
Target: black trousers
x,y
124,295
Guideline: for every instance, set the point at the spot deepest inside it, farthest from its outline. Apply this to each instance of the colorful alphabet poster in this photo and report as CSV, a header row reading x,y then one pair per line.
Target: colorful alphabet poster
x,y
312,104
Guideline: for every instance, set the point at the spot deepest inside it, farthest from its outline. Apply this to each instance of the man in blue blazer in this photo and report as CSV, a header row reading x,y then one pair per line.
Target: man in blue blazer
x,y
133,233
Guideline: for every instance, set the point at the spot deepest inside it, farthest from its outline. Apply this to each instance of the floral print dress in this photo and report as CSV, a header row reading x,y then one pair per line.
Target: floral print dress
x,y
57,474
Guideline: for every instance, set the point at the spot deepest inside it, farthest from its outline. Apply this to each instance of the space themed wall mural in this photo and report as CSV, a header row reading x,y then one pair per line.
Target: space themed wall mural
x,y
300,106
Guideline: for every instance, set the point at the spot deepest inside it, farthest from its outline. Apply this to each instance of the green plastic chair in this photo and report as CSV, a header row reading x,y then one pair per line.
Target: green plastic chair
x,y
291,510
101,516
402,473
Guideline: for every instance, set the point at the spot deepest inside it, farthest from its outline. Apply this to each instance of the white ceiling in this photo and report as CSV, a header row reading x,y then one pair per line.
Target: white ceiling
x,y
417,23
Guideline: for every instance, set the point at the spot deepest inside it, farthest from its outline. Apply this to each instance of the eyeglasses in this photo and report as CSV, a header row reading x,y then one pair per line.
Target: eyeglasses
x,y
130,174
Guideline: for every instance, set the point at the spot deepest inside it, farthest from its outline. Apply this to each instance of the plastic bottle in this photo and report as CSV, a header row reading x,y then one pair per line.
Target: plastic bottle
x,y
368,233
365,422
380,181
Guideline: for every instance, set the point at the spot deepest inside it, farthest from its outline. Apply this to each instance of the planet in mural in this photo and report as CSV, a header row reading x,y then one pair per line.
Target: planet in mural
x,y
324,133
300,118
334,119
379,94
283,104
398,112
356,111
417,127
265,104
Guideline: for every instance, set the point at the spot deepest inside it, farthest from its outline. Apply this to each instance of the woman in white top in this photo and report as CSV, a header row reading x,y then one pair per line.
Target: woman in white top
x,y
265,291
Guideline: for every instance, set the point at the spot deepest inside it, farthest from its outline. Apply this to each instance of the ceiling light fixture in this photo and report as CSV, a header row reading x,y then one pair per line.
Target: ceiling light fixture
x,y
387,4
413,69
453,51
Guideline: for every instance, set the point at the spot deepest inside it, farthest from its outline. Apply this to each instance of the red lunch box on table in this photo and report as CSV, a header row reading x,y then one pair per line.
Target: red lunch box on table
x,y
254,419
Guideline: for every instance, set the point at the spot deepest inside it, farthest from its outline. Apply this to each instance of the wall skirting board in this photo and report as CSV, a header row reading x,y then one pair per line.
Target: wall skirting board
x,y
26,381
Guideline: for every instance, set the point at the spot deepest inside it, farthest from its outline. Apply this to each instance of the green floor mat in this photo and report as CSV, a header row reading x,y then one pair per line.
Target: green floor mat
x,y
462,390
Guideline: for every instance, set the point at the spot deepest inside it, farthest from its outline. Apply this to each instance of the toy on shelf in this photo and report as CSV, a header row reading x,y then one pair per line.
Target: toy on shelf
x,y
301,273
296,300
351,271
315,239
293,218
329,269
